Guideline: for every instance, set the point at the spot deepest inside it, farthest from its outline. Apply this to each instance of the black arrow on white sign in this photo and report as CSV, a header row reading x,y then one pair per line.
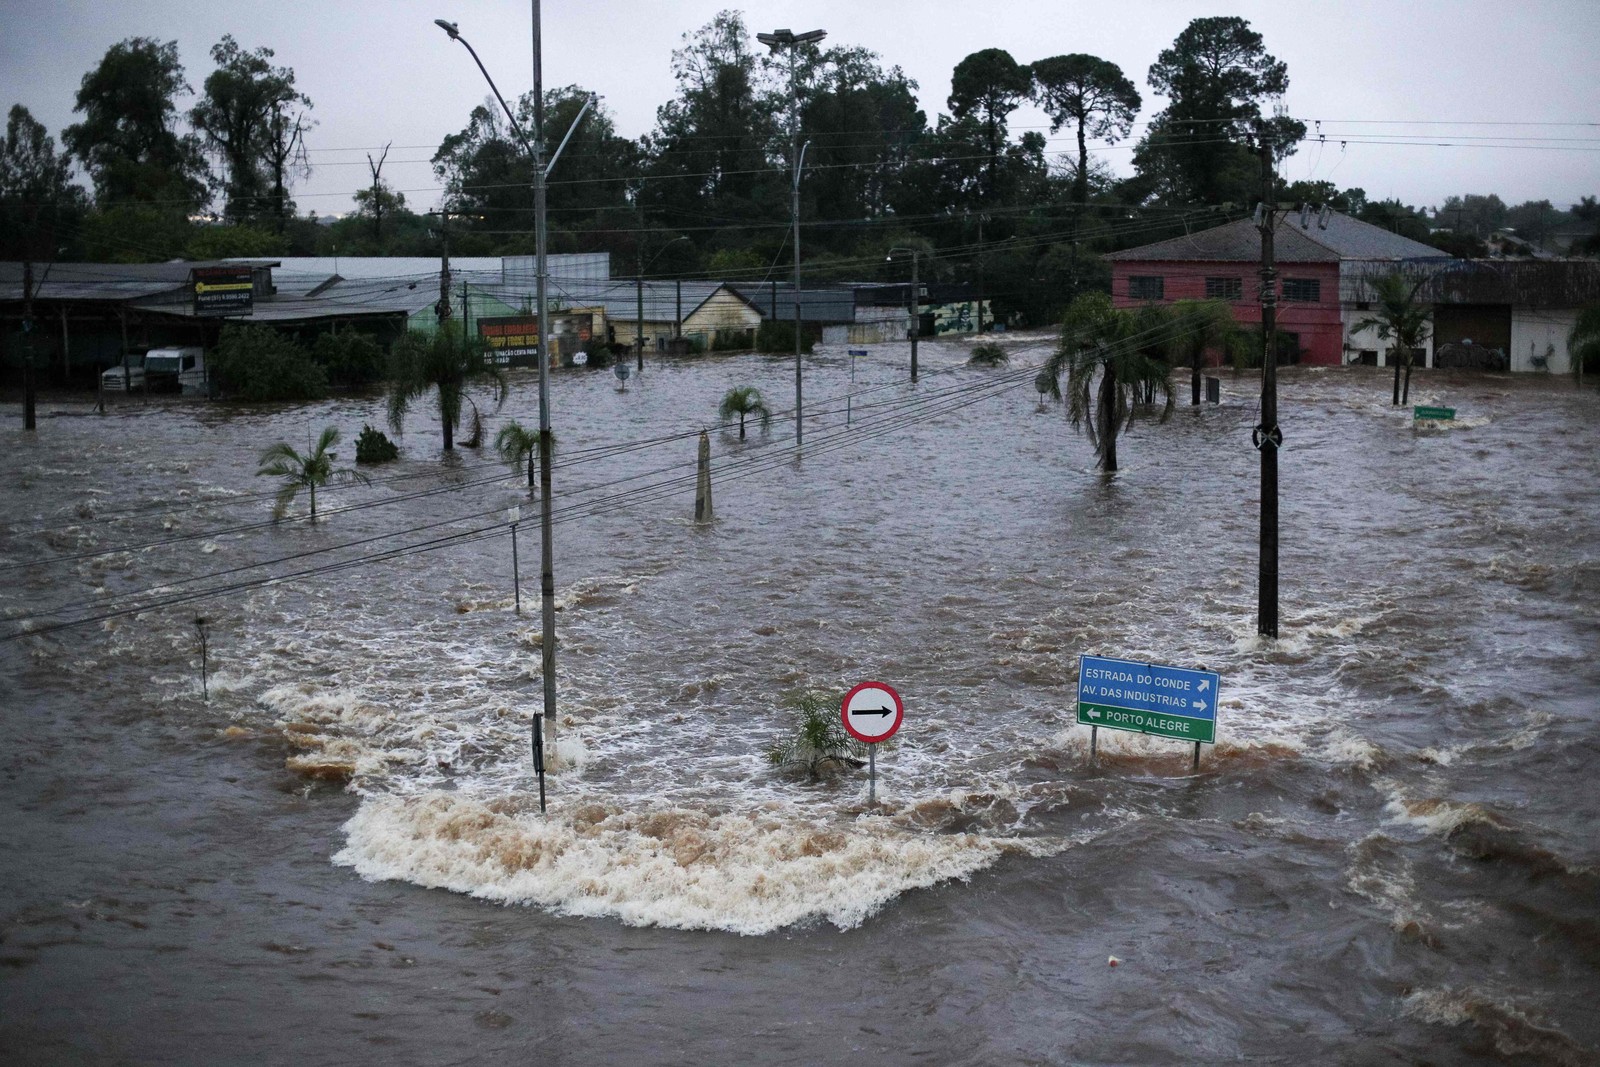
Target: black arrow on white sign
x,y
872,711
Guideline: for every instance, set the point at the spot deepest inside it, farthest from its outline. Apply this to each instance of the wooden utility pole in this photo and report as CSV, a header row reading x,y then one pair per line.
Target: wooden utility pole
x,y
980,274
916,312
1266,436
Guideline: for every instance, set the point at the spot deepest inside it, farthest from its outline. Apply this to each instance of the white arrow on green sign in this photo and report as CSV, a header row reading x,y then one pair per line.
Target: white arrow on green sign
x,y
1148,698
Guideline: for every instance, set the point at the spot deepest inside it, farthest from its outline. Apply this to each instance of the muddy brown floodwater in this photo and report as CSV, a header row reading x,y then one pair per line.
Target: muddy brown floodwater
x,y
1389,856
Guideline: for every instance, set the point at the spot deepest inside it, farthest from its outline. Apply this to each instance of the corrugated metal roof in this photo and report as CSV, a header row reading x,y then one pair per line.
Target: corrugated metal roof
x,y
105,281
1539,283
831,305
1240,242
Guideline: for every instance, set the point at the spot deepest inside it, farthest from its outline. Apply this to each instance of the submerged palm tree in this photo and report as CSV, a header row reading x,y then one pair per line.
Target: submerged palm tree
x,y
1583,343
1127,351
516,443
305,472
1207,325
445,361
1400,320
743,400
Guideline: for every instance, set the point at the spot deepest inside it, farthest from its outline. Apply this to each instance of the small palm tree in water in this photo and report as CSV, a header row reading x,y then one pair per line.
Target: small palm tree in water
x,y
516,443
422,363
818,742
305,471
1402,320
743,401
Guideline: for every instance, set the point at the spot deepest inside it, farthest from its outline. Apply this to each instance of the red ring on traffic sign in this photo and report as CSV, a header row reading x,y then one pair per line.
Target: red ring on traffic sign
x,y
894,724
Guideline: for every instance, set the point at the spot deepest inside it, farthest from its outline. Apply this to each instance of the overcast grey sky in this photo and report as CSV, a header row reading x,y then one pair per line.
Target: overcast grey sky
x,y
1474,73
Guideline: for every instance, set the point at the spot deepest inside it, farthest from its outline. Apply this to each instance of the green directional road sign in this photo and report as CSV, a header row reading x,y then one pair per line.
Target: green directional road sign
x,y
1148,698
1421,412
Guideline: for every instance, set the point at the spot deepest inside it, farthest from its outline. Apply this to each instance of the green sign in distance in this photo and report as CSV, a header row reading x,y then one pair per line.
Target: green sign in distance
x,y
1420,412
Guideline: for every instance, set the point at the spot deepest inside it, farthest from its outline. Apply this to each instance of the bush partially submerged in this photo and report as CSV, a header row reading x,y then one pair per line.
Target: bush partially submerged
x,y
374,446
259,363
988,354
818,743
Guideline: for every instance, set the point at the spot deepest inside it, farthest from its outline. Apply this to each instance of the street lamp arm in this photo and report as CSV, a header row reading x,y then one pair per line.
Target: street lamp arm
x,y
570,131
455,35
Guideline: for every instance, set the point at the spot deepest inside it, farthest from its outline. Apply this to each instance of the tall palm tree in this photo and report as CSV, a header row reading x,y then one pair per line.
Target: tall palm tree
x,y
516,443
1583,343
445,361
305,471
1127,351
1401,320
744,400
1207,325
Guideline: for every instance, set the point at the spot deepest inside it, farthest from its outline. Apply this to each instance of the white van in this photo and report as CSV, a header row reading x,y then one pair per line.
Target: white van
x,y
181,368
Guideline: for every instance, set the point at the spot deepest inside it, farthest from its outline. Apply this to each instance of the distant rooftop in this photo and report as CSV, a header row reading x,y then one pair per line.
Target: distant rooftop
x,y
1318,241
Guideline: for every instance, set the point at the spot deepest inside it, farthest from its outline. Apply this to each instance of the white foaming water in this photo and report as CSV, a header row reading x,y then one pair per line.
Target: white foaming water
x,y
748,873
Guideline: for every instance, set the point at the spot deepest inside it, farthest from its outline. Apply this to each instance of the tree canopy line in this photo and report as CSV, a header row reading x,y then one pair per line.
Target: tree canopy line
x,y
706,191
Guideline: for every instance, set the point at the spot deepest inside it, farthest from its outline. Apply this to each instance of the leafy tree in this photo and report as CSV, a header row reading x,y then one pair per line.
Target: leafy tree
x,y
1534,221
1399,319
126,139
988,354
227,242
1473,215
1216,76
258,363
240,113
1125,351
709,153
1090,93
743,401
352,359
516,443
1396,217
864,126
305,471
39,204
987,86
1586,210
421,363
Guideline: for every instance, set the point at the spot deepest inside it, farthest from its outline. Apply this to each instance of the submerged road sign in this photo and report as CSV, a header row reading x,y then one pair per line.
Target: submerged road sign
x,y
872,712
1422,411
1148,698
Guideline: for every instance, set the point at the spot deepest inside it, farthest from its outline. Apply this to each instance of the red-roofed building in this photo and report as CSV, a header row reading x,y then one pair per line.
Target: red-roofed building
x,y
1313,251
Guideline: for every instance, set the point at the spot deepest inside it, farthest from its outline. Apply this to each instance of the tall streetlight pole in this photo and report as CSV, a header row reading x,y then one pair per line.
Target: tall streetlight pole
x,y
792,41
541,172
916,305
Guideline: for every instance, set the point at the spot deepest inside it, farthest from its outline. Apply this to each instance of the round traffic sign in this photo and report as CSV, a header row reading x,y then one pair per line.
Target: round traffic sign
x,y
872,712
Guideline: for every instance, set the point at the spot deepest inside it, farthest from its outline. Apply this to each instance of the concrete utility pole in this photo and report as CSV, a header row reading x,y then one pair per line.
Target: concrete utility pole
x,y
915,303
1266,435
792,41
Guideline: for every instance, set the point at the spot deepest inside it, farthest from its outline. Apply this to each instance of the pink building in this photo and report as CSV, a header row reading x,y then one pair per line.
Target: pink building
x,y
1312,250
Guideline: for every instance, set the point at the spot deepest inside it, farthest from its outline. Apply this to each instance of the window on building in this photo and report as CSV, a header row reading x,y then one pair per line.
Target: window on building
x,y
1146,287
1224,288
1304,290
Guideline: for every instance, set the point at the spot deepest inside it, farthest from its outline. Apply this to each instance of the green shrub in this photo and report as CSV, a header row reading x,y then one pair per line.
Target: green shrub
x,y
259,363
777,335
374,446
818,743
732,341
350,358
988,354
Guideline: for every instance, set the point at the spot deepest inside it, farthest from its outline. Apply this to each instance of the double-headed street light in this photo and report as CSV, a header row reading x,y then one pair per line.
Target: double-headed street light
x,y
776,40
541,171
916,303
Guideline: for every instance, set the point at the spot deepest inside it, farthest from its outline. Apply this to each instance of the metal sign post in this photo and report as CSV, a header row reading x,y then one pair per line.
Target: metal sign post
x,y
872,712
538,754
